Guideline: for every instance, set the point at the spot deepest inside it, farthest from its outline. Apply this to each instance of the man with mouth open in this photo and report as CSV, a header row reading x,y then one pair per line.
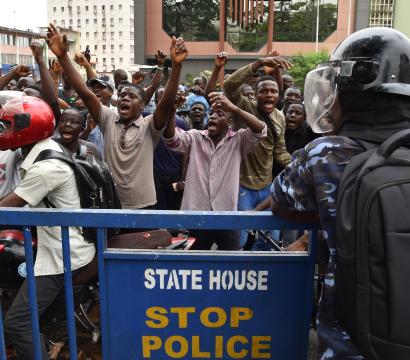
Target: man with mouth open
x,y
212,179
129,138
256,168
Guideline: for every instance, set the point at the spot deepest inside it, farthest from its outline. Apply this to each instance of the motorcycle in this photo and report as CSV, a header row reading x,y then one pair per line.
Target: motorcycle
x,y
86,290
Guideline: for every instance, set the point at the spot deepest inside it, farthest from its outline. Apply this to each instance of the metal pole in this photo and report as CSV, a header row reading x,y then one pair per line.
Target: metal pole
x,y
349,18
270,26
222,21
317,25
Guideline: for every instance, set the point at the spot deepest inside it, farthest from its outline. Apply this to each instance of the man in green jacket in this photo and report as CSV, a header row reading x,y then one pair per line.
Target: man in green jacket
x,y
256,168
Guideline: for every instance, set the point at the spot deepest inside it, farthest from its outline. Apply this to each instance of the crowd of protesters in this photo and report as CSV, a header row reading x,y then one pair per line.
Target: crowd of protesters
x,y
124,123
241,145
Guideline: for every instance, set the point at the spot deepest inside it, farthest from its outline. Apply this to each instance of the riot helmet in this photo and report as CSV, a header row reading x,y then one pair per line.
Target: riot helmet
x,y
374,60
24,121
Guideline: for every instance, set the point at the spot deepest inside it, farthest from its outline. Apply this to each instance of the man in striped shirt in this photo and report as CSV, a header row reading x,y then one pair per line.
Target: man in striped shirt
x,y
212,179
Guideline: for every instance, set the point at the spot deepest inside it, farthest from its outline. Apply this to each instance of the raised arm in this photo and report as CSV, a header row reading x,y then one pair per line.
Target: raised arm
x,y
58,45
221,102
220,61
18,72
156,80
47,84
164,108
275,72
81,60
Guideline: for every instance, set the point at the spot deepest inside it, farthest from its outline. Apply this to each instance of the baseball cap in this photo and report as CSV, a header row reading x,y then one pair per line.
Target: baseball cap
x,y
101,81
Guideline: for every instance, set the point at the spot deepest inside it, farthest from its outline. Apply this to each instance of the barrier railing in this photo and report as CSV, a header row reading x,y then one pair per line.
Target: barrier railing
x,y
165,304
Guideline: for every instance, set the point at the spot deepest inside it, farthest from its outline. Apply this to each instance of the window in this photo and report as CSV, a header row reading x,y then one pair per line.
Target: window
x,y
132,60
112,47
112,35
54,9
296,20
95,21
112,21
79,23
103,46
95,9
120,60
182,18
112,60
87,35
96,59
71,21
103,8
111,7
78,9
120,33
95,34
119,7
87,21
86,8
120,46
103,35
104,60
120,20
132,9
62,23
62,9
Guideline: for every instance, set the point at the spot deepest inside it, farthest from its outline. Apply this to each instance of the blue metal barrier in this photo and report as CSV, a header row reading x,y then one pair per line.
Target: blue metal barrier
x,y
200,311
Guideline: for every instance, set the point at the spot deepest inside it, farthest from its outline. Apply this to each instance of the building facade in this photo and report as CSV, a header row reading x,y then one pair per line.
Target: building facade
x,y
246,29
105,27
389,13
15,48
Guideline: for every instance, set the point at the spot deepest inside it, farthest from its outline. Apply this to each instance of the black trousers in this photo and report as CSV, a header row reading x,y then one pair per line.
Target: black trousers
x,y
167,198
17,326
225,239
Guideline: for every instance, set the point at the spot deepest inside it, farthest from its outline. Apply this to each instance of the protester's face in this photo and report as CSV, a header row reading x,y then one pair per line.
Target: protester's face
x,y
12,85
287,82
79,104
200,82
292,95
267,96
32,92
130,104
70,126
24,82
197,114
118,77
295,116
248,92
102,92
218,122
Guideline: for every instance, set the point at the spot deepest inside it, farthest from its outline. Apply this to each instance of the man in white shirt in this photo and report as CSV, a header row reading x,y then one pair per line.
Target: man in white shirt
x,y
51,179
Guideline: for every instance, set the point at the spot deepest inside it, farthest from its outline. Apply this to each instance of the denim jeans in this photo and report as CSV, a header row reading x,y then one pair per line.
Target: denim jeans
x,y
248,199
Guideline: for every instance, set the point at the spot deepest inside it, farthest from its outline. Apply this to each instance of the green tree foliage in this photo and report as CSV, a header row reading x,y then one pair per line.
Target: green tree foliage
x,y
195,20
303,63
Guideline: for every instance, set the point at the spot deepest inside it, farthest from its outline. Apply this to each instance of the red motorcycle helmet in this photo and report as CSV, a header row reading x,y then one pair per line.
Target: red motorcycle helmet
x,y
25,121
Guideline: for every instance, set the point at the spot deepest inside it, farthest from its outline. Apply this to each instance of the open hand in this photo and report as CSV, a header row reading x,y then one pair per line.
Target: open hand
x,y
138,77
179,51
221,59
276,62
219,101
56,42
81,60
160,57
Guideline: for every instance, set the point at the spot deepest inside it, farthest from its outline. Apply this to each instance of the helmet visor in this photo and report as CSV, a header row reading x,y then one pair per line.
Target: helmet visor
x,y
320,95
